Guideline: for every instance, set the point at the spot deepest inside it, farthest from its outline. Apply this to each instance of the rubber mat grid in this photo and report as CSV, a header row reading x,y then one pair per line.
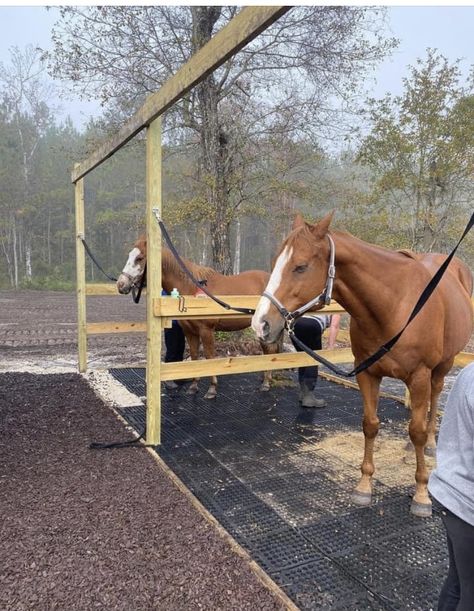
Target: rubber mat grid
x,y
253,460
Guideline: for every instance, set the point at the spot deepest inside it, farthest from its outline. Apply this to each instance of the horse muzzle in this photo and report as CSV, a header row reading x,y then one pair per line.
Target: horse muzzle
x,y
124,284
266,331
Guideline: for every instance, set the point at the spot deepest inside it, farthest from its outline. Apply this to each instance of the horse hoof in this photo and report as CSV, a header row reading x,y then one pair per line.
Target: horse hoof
x,y
363,499
210,395
430,451
421,510
191,391
264,387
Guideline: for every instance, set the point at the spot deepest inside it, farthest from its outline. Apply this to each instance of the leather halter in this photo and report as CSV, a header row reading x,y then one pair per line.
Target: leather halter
x,y
323,298
136,285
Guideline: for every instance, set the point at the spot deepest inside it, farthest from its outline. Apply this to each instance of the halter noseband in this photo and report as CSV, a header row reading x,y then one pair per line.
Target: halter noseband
x,y
323,297
136,285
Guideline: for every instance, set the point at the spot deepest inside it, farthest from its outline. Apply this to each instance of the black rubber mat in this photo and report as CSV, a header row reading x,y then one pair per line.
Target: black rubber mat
x,y
266,469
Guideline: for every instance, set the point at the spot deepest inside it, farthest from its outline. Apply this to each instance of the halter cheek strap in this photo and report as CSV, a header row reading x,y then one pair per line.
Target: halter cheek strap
x,y
323,297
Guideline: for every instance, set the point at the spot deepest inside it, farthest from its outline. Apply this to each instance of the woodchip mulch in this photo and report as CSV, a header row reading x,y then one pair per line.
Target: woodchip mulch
x,y
85,529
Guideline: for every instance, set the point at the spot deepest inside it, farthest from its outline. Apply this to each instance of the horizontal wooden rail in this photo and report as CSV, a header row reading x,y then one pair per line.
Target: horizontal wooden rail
x,y
246,364
205,307
101,289
99,328
463,359
242,29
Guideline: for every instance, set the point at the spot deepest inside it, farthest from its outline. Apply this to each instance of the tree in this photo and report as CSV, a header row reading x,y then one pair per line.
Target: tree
x,y
26,116
282,81
421,150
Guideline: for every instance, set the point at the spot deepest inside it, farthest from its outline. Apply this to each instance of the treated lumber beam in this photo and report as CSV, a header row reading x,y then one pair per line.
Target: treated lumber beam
x,y
153,282
463,359
205,307
104,288
243,28
80,276
247,364
100,328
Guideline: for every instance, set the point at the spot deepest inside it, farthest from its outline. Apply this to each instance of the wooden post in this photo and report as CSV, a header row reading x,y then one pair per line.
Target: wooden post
x,y
153,337
80,276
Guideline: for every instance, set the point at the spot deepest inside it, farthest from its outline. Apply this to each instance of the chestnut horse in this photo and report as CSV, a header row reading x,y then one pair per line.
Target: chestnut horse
x,y
250,282
378,287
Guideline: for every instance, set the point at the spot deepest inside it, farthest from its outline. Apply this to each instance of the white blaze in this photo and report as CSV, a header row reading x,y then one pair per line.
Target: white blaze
x,y
272,286
132,268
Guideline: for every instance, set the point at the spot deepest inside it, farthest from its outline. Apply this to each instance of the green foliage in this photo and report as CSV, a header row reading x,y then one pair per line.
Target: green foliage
x,y
421,152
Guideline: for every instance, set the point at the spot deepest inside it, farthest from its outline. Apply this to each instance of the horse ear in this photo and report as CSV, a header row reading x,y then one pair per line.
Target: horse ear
x,y
320,229
299,221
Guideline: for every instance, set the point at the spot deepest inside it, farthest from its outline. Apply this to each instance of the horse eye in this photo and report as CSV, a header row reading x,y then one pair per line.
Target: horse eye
x,y
300,269
139,258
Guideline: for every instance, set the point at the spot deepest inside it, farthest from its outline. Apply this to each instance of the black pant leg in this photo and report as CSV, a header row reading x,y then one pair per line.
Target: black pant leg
x,y
458,590
309,331
174,342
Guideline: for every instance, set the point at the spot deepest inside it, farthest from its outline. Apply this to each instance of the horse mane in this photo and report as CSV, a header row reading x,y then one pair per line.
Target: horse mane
x,y
409,253
171,266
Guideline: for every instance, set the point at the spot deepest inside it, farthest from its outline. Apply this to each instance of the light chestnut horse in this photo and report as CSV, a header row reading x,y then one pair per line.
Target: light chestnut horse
x,y
250,282
379,288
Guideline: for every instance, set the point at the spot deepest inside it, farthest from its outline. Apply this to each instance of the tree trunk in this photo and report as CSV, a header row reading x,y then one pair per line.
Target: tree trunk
x,y
237,249
213,145
28,267
15,255
8,260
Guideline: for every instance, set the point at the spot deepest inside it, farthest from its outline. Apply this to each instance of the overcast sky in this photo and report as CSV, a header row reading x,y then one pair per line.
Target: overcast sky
x,y
449,29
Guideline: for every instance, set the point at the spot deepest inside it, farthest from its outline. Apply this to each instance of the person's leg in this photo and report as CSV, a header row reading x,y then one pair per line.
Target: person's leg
x,y
174,343
449,595
309,331
458,592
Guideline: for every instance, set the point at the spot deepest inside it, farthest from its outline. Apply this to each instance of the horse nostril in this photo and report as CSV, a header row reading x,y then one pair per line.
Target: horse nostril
x,y
265,328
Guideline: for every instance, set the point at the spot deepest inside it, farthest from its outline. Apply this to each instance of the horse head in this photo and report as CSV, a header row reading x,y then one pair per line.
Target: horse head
x,y
299,273
132,273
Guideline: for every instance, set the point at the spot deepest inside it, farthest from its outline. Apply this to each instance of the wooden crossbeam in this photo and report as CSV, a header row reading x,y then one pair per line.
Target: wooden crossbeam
x,y
205,307
99,328
247,364
101,289
244,27
463,359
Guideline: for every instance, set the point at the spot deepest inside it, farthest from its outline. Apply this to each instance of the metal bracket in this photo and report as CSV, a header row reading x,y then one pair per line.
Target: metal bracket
x,y
181,304
156,214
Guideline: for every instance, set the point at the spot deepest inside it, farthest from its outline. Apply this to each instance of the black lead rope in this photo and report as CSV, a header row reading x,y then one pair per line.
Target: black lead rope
x,y
133,443
91,255
425,295
197,283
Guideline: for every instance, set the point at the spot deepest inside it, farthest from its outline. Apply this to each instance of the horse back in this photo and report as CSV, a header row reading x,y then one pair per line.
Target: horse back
x,y
250,282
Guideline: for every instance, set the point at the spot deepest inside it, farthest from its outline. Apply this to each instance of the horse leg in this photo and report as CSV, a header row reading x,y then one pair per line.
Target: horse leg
x,y
267,375
369,387
193,343
207,336
437,383
419,385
